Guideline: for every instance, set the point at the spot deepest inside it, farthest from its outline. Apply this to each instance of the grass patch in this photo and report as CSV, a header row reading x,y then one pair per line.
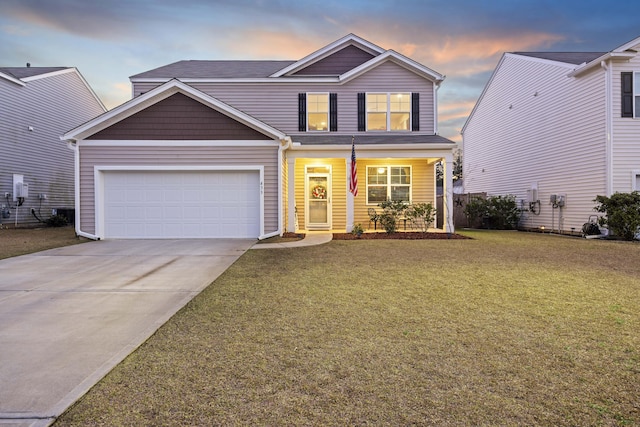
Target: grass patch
x,y
506,329
22,241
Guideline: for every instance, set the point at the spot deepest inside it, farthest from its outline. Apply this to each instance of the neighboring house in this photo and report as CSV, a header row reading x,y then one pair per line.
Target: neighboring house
x,y
252,149
37,105
556,129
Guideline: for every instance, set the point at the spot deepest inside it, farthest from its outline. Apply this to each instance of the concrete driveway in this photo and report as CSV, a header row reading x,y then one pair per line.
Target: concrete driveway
x,y
69,315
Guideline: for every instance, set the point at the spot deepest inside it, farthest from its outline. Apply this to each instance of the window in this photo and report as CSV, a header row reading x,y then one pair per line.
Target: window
x,y
636,94
388,111
318,111
630,89
388,182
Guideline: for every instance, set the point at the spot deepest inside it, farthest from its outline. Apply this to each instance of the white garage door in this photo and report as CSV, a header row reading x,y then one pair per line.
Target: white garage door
x,y
182,204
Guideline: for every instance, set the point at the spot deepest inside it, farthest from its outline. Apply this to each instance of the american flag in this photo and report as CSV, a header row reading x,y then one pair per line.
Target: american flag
x,y
353,176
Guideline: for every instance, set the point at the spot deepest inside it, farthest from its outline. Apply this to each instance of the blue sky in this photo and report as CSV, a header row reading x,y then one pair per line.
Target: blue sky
x,y
110,40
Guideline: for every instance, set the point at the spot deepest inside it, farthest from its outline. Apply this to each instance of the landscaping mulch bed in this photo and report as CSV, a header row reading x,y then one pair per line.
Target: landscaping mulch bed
x,y
398,236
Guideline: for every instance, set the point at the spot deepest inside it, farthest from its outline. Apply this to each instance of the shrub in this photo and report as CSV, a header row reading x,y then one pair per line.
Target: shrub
x,y
497,212
391,211
56,221
622,213
421,214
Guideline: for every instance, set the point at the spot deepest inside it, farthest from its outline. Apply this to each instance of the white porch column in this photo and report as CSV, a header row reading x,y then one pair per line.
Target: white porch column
x,y
291,195
447,192
350,198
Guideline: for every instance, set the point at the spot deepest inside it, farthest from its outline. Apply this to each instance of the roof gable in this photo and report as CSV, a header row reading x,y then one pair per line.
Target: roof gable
x,y
179,117
159,94
337,63
329,50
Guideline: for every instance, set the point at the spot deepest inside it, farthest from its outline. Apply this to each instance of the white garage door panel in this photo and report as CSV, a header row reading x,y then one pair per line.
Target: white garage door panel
x,y
177,204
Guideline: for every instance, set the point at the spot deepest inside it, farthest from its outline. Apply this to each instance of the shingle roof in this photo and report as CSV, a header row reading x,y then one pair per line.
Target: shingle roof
x,y
23,72
575,58
329,139
215,69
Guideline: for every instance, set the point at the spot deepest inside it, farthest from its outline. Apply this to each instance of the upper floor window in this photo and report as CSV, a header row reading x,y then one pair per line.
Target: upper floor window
x,y
388,111
395,111
388,183
630,89
318,111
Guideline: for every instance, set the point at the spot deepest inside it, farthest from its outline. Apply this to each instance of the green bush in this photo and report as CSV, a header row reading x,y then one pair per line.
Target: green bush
x,y
622,213
421,214
392,210
496,212
56,221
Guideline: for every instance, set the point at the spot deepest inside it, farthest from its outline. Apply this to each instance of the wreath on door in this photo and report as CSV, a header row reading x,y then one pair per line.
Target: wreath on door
x,y
319,192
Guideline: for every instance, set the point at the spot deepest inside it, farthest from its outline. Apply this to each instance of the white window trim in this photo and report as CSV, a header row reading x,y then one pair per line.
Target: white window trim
x,y
388,112
389,184
636,92
328,110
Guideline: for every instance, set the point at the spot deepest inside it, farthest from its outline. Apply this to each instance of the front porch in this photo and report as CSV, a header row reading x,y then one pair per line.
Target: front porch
x,y
316,186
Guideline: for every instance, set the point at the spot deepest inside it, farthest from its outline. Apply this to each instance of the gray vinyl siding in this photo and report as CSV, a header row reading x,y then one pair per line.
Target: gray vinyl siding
x,y
626,133
556,139
52,106
277,103
177,156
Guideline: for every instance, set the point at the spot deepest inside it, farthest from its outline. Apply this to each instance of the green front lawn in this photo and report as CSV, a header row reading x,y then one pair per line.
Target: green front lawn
x,y
509,328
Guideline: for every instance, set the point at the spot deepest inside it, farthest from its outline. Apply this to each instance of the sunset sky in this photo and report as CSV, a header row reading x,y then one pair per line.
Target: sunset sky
x,y
110,40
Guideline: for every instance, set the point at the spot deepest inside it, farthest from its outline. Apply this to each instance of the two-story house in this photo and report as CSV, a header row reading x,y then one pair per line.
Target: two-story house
x,y
556,129
255,148
37,105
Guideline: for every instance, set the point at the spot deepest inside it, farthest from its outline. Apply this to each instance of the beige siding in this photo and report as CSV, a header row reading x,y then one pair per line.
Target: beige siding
x,y
178,156
536,125
338,189
626,133
51,106
422,185
277,103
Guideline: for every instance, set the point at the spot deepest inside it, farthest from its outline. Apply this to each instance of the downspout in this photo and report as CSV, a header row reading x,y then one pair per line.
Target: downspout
x,y
608,84
285,144
436,86
73,145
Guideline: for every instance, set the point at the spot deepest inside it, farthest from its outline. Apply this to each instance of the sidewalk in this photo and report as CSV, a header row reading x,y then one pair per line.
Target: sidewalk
x,y
310,239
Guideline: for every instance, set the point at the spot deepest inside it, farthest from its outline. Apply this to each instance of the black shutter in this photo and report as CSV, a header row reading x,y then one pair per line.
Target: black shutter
x,y
627,94
333,112
415,111
362,122
302,112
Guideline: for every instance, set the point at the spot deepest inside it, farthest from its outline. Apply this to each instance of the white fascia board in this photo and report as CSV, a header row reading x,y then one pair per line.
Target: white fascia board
x,y
243,81
329,50
397,58
158,94
51,74
177,143
583,68
627,45
12,79
394,151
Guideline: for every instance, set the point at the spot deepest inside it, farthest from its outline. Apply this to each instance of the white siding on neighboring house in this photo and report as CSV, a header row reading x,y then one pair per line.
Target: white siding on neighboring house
x,y
276,103
626,133
32,119
535,126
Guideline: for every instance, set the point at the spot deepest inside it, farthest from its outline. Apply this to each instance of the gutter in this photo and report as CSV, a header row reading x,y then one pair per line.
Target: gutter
x,y
608,85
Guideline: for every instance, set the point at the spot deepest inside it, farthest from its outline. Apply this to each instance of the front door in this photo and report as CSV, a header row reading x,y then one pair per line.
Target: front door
x,y
318,197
